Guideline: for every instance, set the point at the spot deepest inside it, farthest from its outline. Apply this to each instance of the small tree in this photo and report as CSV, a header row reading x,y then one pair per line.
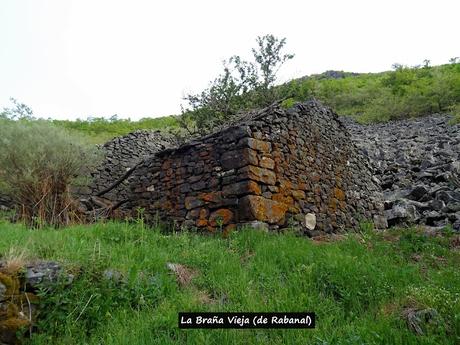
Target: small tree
x,y
38,163
242,85
20,111
269,59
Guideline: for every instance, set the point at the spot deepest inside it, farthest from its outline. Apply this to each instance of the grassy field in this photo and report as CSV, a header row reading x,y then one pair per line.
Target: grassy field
x,y
358,285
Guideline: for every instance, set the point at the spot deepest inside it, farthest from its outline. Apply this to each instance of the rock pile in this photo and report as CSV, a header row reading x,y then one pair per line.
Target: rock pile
x,y
121,154
417,162
276,167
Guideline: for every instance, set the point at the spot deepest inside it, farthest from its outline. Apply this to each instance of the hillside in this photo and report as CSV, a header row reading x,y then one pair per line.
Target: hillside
x,y
402,93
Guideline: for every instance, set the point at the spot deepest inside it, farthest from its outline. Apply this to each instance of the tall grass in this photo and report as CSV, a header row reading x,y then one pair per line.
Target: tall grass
x,y
358,286
38,163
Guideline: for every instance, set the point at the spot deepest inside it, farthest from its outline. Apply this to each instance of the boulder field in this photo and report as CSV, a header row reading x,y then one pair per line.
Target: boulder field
x,y
417,164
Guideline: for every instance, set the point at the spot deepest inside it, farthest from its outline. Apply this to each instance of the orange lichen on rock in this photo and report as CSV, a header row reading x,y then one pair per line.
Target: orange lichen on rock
x,y
201,223
265,210
259,145
273,167
339,194
220,217
259,174
12,305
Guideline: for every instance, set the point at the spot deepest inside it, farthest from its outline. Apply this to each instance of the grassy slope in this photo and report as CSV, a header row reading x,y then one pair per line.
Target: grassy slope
x,y
100,130
376,97
357,286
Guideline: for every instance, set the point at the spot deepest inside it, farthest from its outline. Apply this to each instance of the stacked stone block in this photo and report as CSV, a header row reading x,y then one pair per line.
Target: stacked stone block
x,y
277,167
120,155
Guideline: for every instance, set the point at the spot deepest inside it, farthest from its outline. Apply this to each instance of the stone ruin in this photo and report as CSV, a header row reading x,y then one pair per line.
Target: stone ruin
x,y
274,168
278,167
120,155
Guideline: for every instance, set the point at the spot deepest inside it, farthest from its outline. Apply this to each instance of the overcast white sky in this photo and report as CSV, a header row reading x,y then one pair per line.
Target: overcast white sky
x,y
136,58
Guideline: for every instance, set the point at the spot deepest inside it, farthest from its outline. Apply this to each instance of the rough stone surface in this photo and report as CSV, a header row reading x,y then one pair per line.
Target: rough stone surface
x,y
417,163
19,303
121,154
269,167
310,221
44,273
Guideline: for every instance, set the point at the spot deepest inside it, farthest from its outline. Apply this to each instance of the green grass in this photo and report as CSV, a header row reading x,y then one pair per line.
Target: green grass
x,y
357,286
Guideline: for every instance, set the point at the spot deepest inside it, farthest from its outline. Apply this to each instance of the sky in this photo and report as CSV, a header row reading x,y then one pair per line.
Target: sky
x,y
71,59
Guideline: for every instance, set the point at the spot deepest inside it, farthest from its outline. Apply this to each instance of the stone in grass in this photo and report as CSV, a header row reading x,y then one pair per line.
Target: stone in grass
x,y
45,273
402,212
418,320
113,275
184,274
256,225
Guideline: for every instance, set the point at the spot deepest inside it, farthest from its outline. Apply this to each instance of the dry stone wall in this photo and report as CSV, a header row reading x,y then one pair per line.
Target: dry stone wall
x,y
277,168
121,154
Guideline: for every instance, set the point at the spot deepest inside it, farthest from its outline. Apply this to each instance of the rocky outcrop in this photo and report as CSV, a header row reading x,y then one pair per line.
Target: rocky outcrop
x,y
276,167
417,162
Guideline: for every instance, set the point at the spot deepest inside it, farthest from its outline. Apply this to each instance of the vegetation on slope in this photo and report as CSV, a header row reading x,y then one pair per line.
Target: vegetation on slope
x,y
38,164
101,130
97,130
359,285
379,97
371,97
401,93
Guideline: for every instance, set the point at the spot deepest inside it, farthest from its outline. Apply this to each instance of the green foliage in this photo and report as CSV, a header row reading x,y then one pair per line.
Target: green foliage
x,y
97,130
455,111
20,111
93,297
38,163
100,130
373,97
242,85
401,93
358,286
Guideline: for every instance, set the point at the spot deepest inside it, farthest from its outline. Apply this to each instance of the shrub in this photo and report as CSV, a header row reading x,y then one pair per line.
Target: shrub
x,y
38,163
455,111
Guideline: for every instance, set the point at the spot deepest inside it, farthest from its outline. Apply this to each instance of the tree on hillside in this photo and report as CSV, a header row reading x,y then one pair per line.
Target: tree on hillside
x,y
20,111
269,58
242,85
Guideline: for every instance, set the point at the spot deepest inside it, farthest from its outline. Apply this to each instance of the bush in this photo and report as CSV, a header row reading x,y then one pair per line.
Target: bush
x,y
38,164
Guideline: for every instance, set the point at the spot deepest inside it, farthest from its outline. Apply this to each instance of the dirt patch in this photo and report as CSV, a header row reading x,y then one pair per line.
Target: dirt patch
x,y
328,238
